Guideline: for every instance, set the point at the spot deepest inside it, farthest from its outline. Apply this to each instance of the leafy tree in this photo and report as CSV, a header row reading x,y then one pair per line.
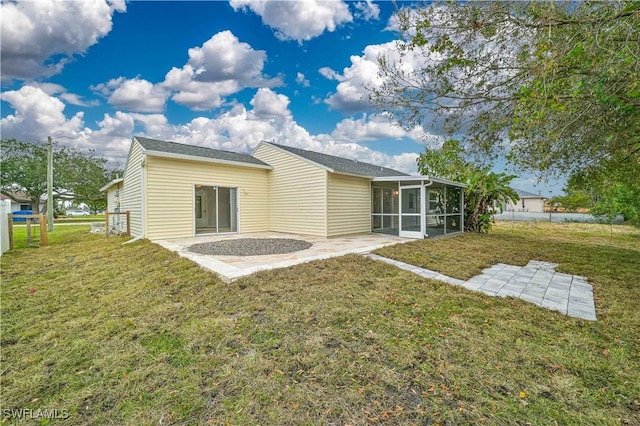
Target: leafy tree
x,y
24,168
485,188
554,85
612,191
76,174
572,200
84,175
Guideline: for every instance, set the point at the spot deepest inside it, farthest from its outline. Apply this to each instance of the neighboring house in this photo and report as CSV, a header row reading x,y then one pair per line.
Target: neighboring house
x,y
19,201
113,195
174,190
528,203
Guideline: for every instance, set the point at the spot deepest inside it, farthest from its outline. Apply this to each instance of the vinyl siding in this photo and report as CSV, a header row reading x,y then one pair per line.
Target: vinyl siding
x,y
297,193
132,193
349,205
170,195
111,198
116,222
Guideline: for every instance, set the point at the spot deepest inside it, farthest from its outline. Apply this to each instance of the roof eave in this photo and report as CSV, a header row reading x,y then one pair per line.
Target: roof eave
x,y
418,178
351,174
204,159
110,184
329,169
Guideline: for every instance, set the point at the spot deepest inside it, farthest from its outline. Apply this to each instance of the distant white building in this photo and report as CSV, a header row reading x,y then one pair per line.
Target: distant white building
x,y
528,203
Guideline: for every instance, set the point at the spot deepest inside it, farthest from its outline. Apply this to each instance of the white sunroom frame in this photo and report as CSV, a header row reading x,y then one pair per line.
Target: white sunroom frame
x,y
421,182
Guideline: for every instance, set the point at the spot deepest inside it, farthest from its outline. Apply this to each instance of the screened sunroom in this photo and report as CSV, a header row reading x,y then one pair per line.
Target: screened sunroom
x,y
416,206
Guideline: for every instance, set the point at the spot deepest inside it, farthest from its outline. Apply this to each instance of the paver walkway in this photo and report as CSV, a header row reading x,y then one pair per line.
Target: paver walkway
x,y
537,283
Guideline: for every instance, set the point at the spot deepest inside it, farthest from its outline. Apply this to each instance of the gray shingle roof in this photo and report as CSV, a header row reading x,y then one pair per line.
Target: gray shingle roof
x,y
197,151
342,165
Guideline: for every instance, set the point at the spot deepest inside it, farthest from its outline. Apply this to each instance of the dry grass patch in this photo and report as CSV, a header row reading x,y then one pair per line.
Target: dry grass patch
x,y
136,335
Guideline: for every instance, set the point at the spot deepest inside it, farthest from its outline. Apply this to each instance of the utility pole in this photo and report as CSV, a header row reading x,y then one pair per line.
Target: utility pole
x,y
50,185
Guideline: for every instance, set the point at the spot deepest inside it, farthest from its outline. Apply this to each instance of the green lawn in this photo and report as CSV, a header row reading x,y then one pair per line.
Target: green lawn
x,y
136,335
61,234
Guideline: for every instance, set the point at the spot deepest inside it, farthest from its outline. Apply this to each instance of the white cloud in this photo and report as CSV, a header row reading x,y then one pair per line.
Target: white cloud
x,y
352,94
298,20
33,32
37,115
268,104
57,89
198,95
367,129
112,139
133,94
223,57
121,124
300,79
330,74
221,66
367,10
155,125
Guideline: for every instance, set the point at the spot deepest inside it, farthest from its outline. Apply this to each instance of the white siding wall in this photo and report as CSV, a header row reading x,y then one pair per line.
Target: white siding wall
x,y
530,205
170,195
116,222
297,193
349,205
111,197
132,190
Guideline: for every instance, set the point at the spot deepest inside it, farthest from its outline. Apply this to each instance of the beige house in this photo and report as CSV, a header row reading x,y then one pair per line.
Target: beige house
x,y
174,190
528,203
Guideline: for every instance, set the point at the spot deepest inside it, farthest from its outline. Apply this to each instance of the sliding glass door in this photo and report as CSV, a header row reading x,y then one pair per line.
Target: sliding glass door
x,y
215,209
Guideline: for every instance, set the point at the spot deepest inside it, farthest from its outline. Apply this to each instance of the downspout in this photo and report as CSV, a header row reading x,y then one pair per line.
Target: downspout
x,y
138,238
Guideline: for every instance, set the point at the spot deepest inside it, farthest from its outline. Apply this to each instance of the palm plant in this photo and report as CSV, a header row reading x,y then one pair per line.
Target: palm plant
x,y
485,189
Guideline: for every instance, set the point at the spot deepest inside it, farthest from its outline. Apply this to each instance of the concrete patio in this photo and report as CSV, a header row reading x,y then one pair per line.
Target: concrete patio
x,y
230,268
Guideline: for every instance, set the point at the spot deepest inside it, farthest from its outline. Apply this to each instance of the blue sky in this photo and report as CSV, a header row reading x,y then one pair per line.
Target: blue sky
x,y
211,73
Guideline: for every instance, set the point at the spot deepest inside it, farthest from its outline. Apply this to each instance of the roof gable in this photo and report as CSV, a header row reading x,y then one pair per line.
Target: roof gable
x,y
339,164
178,150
